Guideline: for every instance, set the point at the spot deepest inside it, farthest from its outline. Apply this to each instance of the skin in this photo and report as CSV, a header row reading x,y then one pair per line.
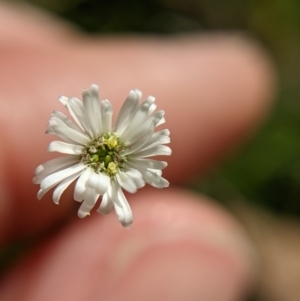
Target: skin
x,y
215,90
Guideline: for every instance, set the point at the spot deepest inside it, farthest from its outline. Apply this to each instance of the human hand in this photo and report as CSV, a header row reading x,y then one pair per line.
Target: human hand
x,y
214,89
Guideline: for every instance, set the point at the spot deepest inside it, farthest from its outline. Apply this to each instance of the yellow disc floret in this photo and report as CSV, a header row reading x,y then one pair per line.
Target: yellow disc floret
x,y
104,154
111,142
112,168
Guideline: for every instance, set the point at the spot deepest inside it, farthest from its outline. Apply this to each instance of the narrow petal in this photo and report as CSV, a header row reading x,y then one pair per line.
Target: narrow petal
x,y
65,119
159,121
42,192
133,136
136,177
139,117
55,164
154,141
121,205
56,122
149,163
106,204
63,100
92,181
126,183
154,151
164,132
129,107
106,115
39,178
63,186
80,186
90,199
152,109
139,144
92,111
88,112
156,171
102,184
157,118
61,175
94,90
65,148
67,134
75,108
149,140
154,179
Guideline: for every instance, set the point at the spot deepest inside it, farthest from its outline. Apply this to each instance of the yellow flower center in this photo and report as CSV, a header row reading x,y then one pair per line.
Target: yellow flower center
x,y
111,142
104,154
112,168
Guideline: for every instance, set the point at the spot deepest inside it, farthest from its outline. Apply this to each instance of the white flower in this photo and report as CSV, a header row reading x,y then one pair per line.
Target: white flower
x,y
104,159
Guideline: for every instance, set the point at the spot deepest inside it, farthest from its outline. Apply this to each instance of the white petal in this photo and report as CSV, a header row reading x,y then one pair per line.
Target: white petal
x,y
106,204
100,182
56,122
164,132
75,108
65,148
154,151
88,112
139,117
159,134
149,140
154,141
133,172
125,181
136,177
65,119
137,145
42,192
133,136
153,179
90,199
128,108
92,180
160,121
156,171
54,165
59,176
103,183
106,115
92,111
63,100
149,163
157,118
152,108
67,134
121,205
94,90
63,186
80,186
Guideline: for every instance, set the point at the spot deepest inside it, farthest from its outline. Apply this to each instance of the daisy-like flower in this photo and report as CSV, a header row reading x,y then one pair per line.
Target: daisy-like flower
x,y
104,159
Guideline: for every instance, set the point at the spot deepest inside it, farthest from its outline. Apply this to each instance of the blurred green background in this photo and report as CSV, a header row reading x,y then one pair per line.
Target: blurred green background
x,y
267,170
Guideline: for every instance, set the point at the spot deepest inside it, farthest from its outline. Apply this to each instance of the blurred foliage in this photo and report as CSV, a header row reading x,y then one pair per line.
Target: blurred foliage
x,y
100,16
267,171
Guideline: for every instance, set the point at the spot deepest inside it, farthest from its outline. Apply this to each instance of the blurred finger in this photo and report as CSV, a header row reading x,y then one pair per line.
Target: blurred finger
x,y
178,249
214,90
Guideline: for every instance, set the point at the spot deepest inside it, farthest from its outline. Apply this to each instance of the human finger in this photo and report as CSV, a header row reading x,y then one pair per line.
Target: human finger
x,y
203,121
180,247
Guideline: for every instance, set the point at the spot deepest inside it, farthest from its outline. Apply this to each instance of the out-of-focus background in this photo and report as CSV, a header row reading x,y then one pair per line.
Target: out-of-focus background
x,y
260,184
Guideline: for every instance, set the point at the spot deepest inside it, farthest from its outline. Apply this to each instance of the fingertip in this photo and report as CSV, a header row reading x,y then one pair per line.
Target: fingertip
x,y
228,90
177,249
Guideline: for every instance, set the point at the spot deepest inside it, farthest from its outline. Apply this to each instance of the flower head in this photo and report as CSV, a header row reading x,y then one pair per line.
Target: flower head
x,y
104,159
